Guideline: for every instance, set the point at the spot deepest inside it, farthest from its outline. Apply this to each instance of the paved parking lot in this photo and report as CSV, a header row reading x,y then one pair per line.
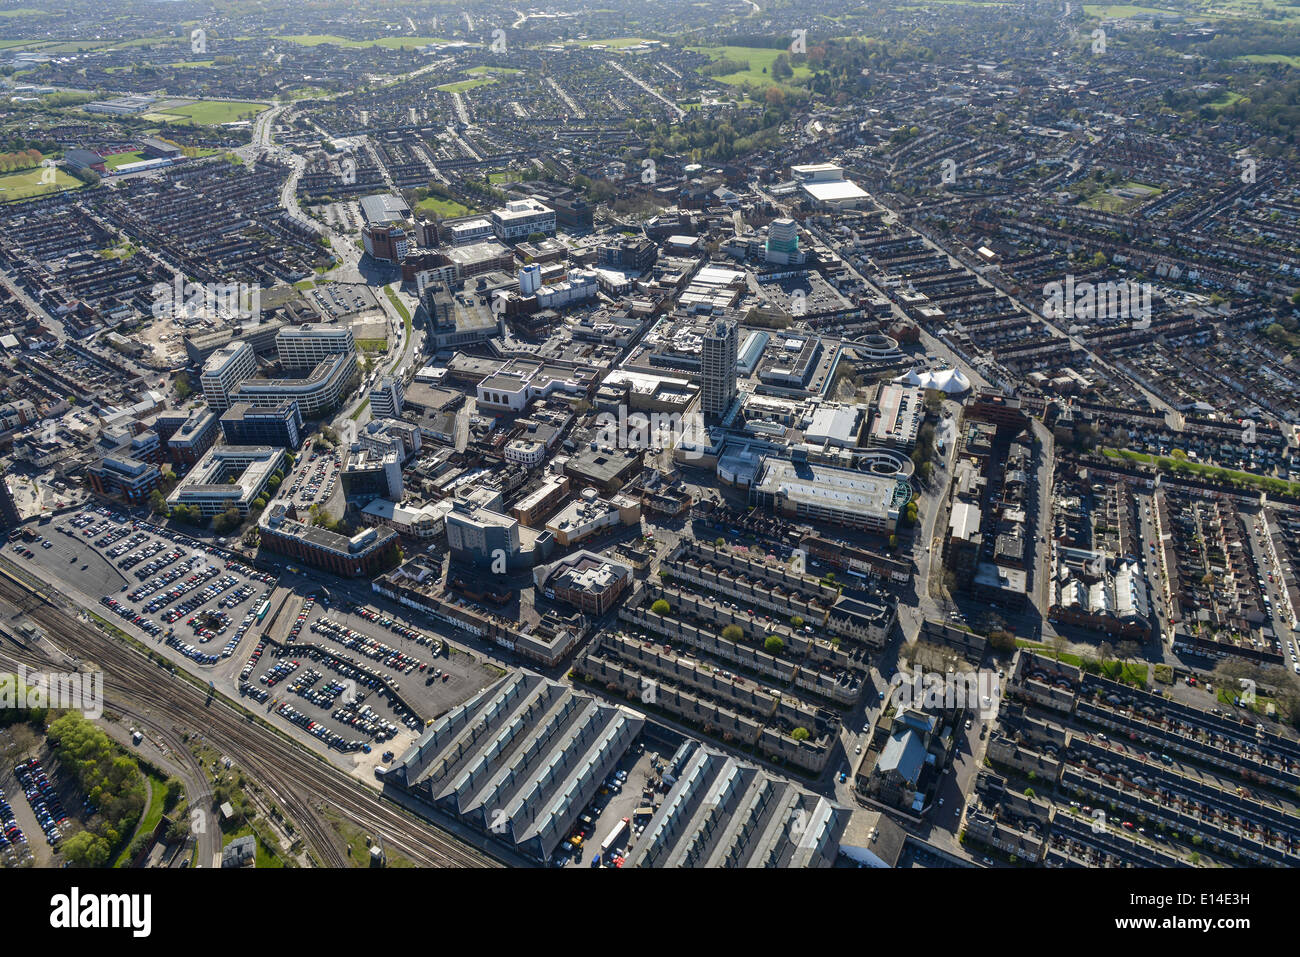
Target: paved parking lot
x,y
184,596
330,664
153,581
313,479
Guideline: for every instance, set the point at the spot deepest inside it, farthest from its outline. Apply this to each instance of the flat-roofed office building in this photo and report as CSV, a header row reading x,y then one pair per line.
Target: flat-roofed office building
x,y
224,370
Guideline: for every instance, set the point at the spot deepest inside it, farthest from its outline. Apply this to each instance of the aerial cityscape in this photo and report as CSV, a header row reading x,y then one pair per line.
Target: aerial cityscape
x,y
716,434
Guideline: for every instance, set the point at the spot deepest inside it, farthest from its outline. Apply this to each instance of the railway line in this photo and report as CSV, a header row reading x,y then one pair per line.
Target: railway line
x,y
168,703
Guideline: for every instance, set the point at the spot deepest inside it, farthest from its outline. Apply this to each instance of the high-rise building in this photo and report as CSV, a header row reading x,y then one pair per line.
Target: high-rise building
x,y
783,242
520,218
387,398
225,369
305,347
718,367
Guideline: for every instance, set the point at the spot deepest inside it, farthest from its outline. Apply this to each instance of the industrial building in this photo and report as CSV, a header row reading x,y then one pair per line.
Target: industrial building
x,y
520,760
722,812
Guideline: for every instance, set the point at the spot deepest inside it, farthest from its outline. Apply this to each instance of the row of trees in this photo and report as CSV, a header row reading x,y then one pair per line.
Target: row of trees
x,y
109,778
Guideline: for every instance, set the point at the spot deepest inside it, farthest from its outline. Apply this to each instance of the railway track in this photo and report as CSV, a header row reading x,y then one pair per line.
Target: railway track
x,y
301,780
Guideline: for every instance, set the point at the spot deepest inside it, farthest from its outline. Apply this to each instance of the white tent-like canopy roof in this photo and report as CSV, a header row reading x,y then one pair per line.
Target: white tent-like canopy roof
x,y
948,381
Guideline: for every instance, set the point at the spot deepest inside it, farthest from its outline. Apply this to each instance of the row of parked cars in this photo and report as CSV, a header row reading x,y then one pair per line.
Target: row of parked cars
x,y
195,655
126,613
13,842
375,650
332,738
44,801
322,476
369,614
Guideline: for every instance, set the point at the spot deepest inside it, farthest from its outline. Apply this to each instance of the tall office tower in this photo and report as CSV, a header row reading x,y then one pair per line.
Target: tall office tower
x,y
718,367
225,369
387,398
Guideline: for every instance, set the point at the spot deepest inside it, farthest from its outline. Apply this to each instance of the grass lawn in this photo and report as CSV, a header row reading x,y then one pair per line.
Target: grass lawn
x,y
153,812
114,160
465,85
447,208
1258,706
1115,670
355,838
395,43
481,70
1293,61
1169,464
1226,99
372,345
266,856
1123,10
405,313
1109,201
210,112
760,59
26,184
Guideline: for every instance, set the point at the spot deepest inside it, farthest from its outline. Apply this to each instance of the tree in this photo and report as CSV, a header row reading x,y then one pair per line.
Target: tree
x,y
661,607
733,633
227,521
1002,641
796,622
774,645
1058,647
85,849
800,734
158,502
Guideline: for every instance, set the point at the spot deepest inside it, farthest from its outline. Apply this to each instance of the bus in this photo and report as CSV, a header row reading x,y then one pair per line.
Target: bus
x,y
261,612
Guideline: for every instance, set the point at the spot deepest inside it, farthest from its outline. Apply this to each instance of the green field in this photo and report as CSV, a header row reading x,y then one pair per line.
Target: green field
x,y
479,70
464,85
760,64
1108,202
1124,10
1292,61
447,208
208,112
114,160
396,43
24,185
